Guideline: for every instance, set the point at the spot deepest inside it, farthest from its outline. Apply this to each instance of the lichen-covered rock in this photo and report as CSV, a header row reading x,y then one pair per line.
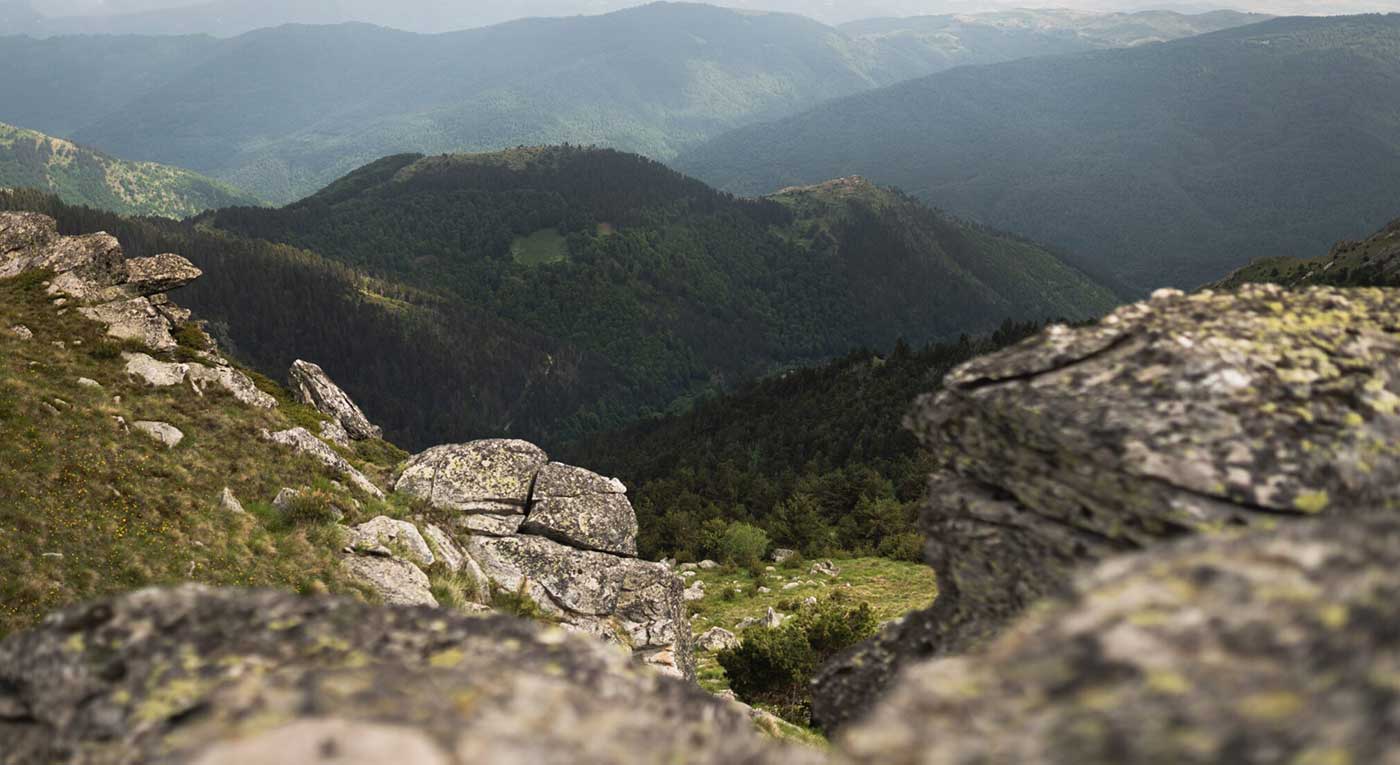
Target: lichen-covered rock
x,y
557,480
333,431
301,440
401,537
229,503
447,549
627,601
159,274
397,581
1275,647
717,639
603,522
134,319
22,332
490,524
194,675
315,388
493,476
1185,414
239,385
157,374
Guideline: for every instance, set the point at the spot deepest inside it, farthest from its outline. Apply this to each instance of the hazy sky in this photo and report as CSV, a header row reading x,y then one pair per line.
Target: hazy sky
x,y
831,11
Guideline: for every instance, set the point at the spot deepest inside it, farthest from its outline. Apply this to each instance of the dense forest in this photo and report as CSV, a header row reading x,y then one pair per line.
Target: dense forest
x,y
1160,165
818,458
680,289
85,176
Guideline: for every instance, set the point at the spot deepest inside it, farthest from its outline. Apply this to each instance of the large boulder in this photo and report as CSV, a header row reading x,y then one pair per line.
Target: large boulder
x,y
1182,415
493,476
212,677
582,509
315,388
158,274
626,601
396,581
135,319
1278,647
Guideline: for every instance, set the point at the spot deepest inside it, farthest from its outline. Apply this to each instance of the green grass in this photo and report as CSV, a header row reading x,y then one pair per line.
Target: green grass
x,y
89,510
540,248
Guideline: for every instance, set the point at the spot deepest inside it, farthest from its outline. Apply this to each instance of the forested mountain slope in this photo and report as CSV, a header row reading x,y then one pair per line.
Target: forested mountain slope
x,y
556,292
1159,165
84,176
679,288
284,111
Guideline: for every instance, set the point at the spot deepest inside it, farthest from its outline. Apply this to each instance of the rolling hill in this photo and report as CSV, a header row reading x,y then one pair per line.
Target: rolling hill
x,y
676,288
1373,262
87,177
284,111
550,293
1164,164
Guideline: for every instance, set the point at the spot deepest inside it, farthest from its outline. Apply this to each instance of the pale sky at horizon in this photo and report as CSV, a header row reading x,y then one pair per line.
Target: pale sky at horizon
x,y
830,11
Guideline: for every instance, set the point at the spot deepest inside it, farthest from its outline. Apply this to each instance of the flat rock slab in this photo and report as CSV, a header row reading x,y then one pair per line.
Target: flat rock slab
x,y
603,522
217,677
493,476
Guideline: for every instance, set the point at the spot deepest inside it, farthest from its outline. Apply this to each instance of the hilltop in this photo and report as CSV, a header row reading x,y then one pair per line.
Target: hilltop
x,y
83,176
284,111
675,289
1143,163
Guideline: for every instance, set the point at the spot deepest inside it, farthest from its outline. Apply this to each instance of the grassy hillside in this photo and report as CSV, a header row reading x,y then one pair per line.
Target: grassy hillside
x,y
284,111
90,510
1374,262
680,289
87,177
1156,165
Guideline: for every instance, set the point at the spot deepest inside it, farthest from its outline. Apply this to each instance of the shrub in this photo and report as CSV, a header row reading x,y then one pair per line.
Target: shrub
x,y
906,546
742,545
311,507
774,666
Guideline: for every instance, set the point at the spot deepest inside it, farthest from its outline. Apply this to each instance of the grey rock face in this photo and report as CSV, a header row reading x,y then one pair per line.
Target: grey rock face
x,y
194,675
301,440
397,582
1177,416
162,432
134,319
493,476
488,524
604,522
315,388
335,433
157,374
627,601
451,553
557,480
399,536
159,274
1273,647
239,385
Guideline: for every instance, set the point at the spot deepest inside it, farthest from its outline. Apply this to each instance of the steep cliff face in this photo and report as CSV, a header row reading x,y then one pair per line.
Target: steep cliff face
x,y
1183,415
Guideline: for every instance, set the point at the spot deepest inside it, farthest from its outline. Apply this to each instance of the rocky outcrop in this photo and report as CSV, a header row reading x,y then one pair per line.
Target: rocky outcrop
x,y
562,535
164,374
313,387
395,581
159,274
582,509
301,441
386,536
1275,647
1182,415
194,675
493,476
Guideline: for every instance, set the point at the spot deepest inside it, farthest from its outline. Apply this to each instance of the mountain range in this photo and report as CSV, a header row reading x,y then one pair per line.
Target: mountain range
x,y
1164,164
282,112
88,177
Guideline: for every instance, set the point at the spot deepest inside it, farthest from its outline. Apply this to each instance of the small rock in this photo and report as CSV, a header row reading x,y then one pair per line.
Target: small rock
x,y
157,374
688,567
688,574
765,590
59,344
695,591
397,581
782,555
811,600
708,565
163,432
89,383
770,568
229,503
49,408
22,332
121,423
718,639
826,568
773,619
284,499
791,586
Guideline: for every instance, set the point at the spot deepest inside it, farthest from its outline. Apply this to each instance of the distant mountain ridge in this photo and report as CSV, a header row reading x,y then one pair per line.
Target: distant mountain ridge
x,y
1165,164
282,112
85,176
